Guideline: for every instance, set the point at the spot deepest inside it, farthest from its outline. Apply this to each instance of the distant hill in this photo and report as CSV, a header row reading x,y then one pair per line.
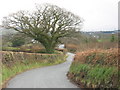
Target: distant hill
x,y
97,34
4,31
104,32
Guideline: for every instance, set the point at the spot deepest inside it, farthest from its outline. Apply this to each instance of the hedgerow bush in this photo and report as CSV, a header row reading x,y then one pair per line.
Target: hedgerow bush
x,y
9,58
15,62
98,56
95,69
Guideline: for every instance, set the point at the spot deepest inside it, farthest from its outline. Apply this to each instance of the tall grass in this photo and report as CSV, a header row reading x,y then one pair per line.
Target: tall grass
x,y
94,76
18,67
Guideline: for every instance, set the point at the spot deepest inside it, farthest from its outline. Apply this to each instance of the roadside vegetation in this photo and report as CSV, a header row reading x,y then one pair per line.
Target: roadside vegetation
x,y
96,61
35,44
95,69
16,62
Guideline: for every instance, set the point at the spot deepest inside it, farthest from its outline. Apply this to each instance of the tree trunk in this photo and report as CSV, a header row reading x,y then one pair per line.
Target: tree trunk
x,y
49,49
49,45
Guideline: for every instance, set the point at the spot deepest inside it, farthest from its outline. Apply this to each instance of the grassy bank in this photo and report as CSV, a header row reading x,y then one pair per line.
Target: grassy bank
x,y
95,69
16,62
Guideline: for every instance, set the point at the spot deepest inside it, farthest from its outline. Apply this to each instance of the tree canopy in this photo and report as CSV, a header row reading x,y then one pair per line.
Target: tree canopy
x,y
47,24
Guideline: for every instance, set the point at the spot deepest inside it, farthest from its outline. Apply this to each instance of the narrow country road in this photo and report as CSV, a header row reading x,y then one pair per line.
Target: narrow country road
x,y
46,77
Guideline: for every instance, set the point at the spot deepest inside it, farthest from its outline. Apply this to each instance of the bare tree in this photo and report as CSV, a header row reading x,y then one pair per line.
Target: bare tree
x,y
47,24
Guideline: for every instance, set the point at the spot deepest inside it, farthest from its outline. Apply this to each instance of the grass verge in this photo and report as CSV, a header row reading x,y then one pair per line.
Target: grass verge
x,y
12,67
89,76
8,73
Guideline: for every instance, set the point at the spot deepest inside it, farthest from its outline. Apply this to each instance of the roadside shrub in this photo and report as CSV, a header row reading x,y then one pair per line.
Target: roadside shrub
x,y
95,68
9,58
98,56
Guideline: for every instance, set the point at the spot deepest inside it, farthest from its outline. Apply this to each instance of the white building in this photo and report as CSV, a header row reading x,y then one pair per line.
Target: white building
x,y
61,46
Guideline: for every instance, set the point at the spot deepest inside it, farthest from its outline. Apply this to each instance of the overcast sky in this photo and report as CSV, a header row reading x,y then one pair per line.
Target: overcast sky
x,y
98,14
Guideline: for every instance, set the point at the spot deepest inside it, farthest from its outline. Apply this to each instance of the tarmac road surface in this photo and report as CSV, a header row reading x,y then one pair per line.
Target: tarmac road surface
x,y
46,77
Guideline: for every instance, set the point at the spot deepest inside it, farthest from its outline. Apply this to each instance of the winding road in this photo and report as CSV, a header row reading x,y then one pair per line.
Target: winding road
x,y
46,77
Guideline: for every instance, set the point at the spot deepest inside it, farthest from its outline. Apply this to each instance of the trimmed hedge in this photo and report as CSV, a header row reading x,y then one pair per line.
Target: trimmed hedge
x,y
107,57
95,69
16,62
9,58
